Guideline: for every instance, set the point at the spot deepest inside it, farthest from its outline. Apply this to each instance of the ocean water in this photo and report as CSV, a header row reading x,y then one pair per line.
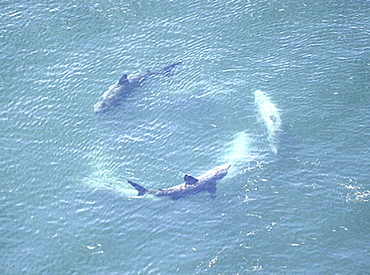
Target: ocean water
x,y
293,202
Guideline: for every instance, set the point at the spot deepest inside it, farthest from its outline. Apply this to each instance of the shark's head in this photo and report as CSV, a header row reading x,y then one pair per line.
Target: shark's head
x,y
101,106
221,171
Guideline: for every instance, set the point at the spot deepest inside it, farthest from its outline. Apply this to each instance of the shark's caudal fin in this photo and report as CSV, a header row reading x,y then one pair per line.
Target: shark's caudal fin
x,y
167,70
142,191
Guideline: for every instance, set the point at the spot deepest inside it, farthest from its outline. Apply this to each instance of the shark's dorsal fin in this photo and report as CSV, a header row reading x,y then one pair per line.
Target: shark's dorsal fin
x,y
190,180
123,79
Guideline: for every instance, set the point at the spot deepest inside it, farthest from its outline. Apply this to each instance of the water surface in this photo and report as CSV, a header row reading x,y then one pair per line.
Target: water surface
x,y
66,206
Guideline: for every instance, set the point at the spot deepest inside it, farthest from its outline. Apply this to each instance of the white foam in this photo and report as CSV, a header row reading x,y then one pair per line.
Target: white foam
x,y
238,152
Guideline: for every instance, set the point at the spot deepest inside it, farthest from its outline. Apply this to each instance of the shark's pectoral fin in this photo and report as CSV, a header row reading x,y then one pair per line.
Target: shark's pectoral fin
x,y
123,80
190,180
212,191
175,197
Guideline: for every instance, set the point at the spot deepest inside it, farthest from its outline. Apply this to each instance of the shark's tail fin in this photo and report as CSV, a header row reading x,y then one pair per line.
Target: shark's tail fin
x,y
142,191
167,70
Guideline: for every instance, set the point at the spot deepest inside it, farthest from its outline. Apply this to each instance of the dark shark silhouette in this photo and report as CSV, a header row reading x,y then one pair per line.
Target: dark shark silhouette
x,y
191,186
124,86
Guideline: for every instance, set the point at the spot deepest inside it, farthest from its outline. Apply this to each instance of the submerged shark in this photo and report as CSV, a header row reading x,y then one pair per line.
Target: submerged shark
x,y
191,186
124,86
271,116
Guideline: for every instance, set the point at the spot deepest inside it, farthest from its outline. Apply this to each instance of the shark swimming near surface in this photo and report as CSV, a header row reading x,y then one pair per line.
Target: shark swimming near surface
x,y
191,185
124,86
271,117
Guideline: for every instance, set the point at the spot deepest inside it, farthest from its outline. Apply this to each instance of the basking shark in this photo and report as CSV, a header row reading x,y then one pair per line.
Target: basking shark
x,y
191,186
124,86
271,116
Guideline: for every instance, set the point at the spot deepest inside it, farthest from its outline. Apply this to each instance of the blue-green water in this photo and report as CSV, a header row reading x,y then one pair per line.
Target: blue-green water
x,y
66,206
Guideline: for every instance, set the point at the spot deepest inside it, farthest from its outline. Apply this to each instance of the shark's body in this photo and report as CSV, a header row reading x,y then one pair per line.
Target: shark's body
x,y
271,116
191,186
124,86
